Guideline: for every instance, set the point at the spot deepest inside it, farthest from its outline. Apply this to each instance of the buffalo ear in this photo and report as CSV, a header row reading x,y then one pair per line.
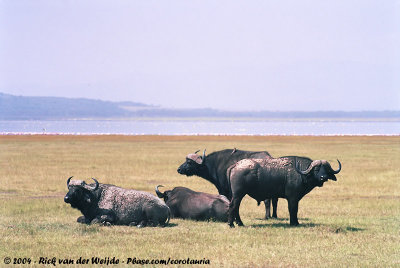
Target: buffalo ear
x,y
166,195
333,177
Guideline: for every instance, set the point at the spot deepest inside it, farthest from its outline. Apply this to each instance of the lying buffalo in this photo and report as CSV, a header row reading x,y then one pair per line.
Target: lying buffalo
x,y
108,204
276,178
187,204
213,168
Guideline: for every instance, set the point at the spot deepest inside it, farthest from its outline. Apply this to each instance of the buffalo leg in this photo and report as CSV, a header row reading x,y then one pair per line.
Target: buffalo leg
x,y
267,203
101,220
234,211
105,220
237,216
293,208
274,207
231,215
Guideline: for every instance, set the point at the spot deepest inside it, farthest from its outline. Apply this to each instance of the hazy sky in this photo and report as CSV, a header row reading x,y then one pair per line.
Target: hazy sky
x,y
236,55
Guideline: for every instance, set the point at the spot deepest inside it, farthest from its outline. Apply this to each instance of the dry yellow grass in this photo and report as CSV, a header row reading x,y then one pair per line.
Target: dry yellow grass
x,y
351,222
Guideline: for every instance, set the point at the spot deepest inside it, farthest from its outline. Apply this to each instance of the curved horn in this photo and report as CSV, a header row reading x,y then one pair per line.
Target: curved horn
x,y
312,165
196,151
204,156
92,188
159,194
296,167
69,179
338,170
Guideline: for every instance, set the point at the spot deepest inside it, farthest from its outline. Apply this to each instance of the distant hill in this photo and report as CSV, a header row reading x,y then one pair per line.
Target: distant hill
x,y
53,108
22,108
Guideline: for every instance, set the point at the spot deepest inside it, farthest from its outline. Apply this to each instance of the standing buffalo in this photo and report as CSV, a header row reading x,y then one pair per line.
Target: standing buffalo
x,y
187,204
213,168
276,178
108,204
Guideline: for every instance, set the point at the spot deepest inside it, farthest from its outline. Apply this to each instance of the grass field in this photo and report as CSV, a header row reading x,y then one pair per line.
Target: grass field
x,y
354,222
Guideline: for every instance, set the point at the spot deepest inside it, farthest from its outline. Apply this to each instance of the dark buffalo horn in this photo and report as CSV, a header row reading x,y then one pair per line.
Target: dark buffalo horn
x,y
196,151
339,169
296,166
92,188
308,170
69,179
204,156
159,194
97,184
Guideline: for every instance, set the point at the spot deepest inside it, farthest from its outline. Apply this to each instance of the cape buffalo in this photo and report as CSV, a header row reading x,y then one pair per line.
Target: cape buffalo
x,y
187,204
213,168
282,177
108,204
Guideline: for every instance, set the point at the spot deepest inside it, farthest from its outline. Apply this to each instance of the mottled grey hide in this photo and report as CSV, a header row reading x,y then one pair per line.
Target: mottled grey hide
x,y
109,204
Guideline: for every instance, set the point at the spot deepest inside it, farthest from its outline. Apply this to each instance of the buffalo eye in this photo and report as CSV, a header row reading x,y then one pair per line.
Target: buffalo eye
x,y
189,164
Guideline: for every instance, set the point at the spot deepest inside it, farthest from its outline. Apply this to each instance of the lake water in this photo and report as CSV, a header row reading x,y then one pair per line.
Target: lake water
x,y
202,127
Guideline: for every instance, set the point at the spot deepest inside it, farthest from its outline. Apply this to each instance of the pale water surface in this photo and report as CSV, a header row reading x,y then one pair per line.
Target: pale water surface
x,y
203,127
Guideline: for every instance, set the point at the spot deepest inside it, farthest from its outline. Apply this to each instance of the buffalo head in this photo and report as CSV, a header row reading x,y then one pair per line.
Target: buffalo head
x,y
164,195
79,193
319,171
193,164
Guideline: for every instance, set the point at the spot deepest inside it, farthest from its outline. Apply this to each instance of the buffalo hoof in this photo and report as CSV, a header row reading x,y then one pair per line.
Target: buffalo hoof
x,y
81,219
141,224
231,225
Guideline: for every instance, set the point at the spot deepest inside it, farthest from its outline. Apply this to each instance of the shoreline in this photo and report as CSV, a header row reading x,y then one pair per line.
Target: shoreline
x,y
221,119
193,134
